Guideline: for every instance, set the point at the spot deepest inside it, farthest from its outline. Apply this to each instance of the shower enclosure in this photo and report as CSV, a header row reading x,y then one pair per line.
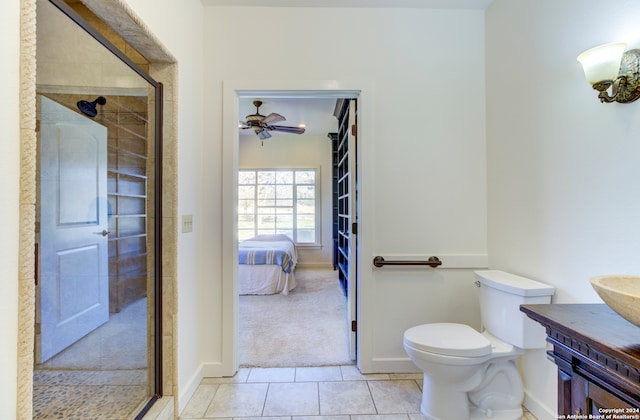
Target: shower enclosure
x,y
98,220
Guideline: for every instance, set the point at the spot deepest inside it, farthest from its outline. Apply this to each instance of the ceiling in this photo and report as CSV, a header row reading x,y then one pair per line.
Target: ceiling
x,y
428,4
315,113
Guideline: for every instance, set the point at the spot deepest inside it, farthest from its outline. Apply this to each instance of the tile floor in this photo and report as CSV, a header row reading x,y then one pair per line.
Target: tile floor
x,y
86,394
309,393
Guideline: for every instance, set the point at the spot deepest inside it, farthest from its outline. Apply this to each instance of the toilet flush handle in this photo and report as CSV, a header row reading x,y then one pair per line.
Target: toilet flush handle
x,y
477,283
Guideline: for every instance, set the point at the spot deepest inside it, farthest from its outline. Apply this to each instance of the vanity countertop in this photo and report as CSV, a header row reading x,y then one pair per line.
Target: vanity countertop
x,y
597,353
595,325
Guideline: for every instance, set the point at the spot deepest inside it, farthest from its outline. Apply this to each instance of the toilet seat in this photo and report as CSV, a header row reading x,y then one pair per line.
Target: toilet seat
x,y
448,339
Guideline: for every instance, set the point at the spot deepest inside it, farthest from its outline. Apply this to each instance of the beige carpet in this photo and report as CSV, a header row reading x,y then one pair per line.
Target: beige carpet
x,y
306,328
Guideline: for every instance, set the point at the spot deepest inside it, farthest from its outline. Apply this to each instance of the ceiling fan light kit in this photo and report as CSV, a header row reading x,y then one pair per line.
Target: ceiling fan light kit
x,y
262,125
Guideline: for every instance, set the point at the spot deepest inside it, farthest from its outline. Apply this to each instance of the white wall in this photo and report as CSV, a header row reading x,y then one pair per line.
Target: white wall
x,y
563,169
423,154
292,151
179,27
422,148
9,211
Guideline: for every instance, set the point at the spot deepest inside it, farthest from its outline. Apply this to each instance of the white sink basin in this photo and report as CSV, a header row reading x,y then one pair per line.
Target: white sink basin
x,y
621,293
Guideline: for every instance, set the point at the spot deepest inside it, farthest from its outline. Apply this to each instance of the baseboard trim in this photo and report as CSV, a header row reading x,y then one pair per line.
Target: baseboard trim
x,y
206,370
393,365
212,370
537,408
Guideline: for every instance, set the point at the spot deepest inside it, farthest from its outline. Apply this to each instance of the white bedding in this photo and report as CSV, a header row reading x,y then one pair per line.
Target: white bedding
x,y
267,279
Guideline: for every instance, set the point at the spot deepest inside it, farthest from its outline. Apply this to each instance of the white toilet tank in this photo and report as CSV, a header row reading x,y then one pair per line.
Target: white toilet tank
x,y
501,295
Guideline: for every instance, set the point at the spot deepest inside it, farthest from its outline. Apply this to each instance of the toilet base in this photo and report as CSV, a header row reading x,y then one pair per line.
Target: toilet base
x,y
477,414
493,393
443,402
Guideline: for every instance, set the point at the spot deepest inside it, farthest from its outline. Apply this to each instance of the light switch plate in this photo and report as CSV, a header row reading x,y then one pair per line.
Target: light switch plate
x,y
187,223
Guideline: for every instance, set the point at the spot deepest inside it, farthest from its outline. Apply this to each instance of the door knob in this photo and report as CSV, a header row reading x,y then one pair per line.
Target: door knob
x,y
105,232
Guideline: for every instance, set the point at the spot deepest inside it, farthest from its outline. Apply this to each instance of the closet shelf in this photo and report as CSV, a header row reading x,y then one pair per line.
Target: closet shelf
x,y
121,151
127,174
140,235
127,256
126,276
128,195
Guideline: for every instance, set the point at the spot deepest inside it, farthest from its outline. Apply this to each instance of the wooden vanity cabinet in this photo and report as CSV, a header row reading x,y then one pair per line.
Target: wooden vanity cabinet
x,y
598,357
579,396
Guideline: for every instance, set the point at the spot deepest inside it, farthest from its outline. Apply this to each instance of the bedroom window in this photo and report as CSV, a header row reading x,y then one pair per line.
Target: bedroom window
x,y
274,201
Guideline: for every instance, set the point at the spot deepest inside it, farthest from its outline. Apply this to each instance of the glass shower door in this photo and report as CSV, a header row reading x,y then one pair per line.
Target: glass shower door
x,y
96,307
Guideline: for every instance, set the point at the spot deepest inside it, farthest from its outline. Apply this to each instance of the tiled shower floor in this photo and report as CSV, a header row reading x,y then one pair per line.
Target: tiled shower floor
x,y
101,376
88,394
73,394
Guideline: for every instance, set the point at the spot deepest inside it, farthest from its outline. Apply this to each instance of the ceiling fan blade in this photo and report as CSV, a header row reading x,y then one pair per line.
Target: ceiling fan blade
x,y
272,118
286,129
264,134
243,125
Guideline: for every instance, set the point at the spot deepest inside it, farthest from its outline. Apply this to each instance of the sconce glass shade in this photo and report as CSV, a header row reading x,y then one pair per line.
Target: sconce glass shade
x,y
603,62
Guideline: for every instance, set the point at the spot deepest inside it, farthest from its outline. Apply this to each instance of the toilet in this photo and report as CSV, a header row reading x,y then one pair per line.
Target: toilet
x,y
473,375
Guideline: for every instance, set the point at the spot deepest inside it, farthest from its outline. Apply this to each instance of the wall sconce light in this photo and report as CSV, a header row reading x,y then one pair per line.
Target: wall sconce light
x,y
610,66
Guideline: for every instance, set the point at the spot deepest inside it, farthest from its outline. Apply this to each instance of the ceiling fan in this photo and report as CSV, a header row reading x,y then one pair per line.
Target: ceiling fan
x,y
261,125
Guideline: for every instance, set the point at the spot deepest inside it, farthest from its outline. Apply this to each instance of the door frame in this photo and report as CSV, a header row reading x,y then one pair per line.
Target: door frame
x,y
233,90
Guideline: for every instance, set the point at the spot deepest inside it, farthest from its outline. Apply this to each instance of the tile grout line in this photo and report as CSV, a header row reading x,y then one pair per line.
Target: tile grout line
x,y
264,403
204,414
318,389
319,405
372,399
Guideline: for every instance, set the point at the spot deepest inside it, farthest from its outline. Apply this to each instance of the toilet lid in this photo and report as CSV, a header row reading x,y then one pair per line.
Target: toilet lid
x,y
448,339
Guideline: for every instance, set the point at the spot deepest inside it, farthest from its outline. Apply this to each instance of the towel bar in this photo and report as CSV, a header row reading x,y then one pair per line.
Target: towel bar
x,y
431,262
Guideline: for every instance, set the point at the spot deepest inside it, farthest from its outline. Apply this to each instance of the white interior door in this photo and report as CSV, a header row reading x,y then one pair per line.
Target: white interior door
x,y
73,284
351,284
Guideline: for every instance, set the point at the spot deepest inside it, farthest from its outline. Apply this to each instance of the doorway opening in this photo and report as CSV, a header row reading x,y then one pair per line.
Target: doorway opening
x,y
324,305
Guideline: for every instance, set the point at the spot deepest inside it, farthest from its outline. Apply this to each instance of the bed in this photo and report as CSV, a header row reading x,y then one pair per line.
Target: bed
x,y
266,265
